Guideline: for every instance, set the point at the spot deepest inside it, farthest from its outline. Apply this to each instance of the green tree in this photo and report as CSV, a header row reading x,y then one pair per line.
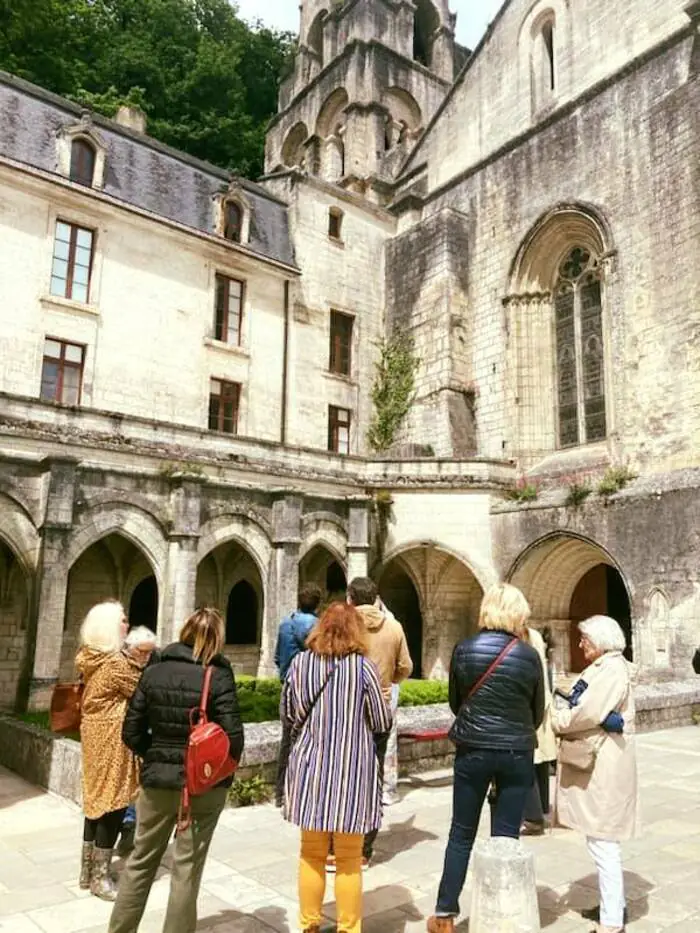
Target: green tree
x,y
207,81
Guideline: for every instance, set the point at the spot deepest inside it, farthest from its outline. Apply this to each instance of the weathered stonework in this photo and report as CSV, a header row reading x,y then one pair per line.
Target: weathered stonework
x,y
406,200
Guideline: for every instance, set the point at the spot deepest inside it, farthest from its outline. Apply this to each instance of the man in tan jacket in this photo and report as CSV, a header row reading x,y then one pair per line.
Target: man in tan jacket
x,y
388,649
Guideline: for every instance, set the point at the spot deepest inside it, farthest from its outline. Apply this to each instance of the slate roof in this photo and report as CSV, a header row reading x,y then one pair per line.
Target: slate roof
x,y
139,170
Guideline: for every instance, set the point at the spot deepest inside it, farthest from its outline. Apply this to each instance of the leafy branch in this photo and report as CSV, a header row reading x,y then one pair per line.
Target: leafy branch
x,y
393,389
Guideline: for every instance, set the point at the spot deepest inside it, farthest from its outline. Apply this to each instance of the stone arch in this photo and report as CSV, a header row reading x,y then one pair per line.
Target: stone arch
x,y
293,148
425,25
314,37
19,532
565,578
448,595
331,116
234,551
404,119
242,530
16,581
134,524
558,371
111,566
323,565
326,532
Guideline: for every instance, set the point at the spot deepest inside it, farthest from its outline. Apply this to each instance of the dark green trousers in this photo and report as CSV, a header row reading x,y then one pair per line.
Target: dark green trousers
x,y
156,816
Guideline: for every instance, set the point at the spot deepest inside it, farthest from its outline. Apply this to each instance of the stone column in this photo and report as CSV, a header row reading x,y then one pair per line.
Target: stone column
x,y
358,537
177,601
52,577
283,577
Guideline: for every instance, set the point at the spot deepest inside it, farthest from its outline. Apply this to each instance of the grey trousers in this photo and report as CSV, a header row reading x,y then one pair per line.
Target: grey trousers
x,y
156,819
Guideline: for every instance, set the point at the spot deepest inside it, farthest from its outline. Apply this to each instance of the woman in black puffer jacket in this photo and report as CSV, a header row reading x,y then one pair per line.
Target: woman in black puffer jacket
x,y
156,728
497,695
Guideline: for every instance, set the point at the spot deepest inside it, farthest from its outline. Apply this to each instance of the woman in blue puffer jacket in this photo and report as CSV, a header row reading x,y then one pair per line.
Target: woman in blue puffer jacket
x,y
497,694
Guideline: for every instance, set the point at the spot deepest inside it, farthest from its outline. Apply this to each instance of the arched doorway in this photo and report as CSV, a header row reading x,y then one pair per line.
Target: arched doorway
x,y
320,566
242,615
14,613
601,591
439,595
229,580
567,578
143,605
103,571
399,594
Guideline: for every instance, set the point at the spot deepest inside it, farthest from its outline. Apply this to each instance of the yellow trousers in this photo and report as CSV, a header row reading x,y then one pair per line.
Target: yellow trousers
x,y
348,879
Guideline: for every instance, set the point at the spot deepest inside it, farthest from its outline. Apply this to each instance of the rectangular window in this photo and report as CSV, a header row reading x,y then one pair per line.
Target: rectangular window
x,y
341,343
72,262
224,399
229,310
339,429
335,224
62,371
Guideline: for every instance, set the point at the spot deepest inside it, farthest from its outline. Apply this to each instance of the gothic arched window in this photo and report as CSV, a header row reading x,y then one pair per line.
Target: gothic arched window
x,y
578,316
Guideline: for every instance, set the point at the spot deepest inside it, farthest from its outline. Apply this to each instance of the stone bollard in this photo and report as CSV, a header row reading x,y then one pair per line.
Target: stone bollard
x,y
504,892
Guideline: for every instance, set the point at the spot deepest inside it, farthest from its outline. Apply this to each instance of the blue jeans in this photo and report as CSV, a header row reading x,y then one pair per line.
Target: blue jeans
x,y
475,769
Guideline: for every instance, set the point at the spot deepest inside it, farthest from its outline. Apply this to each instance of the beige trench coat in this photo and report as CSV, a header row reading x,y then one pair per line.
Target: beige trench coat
x,y
602,803
546,739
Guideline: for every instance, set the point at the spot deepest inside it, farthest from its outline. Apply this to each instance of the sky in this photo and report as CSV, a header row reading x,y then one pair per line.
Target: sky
x,y
473,16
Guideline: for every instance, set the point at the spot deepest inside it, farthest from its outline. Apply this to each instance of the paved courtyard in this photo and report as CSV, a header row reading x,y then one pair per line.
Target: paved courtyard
x,y
249,883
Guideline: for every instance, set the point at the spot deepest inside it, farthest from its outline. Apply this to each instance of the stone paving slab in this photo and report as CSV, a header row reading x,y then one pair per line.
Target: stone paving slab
x,y
249,883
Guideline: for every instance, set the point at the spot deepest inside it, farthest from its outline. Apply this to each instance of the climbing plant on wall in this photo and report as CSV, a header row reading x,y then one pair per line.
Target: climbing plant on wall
x,y
393,389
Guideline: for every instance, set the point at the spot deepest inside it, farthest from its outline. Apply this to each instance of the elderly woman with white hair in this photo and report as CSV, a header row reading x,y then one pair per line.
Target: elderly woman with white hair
x,y
597,774
110,773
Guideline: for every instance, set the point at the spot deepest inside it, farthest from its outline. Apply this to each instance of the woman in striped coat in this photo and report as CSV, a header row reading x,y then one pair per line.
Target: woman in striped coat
x,y
333,703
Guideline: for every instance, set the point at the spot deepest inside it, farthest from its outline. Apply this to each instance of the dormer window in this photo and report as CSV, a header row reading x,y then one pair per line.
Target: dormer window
x,y
233,222
81,153
82,162
231,213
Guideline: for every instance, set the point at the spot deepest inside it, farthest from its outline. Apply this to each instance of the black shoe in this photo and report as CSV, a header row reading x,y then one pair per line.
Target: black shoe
x,y
594,914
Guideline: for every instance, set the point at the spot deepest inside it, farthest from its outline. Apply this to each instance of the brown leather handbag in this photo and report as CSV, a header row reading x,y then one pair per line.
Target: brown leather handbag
x,y
66,706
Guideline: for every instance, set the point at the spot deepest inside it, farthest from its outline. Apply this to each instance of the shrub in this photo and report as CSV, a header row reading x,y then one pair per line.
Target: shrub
x,y
578,493
259,699
523,491
423,692
248,792
615,479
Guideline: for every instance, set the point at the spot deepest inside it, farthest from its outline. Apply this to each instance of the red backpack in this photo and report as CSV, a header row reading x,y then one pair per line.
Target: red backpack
x,y
207,755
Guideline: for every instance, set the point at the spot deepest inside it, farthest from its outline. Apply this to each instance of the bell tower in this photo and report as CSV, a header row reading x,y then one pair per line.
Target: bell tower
x,y
368,76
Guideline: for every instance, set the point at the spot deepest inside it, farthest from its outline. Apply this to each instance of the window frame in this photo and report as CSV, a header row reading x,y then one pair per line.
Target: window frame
x,y
335,224
589,273
63,364
221,399
335,425
229,205
335,355
75,228
226,280
80,144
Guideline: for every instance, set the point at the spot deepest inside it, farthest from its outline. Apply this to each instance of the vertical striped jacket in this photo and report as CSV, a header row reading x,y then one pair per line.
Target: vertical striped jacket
x,y
332,782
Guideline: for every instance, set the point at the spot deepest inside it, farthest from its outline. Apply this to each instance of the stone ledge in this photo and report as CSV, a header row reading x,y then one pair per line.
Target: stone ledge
x,y
53,762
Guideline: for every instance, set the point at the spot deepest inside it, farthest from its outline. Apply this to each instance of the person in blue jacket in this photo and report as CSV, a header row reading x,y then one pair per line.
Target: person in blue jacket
x,y
291,640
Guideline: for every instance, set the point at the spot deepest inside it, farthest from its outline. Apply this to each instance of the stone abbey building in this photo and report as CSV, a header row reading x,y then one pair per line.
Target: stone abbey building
x,y
187,358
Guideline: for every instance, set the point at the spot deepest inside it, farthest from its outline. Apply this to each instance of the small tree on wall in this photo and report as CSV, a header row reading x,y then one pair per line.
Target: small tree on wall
x,y
393,389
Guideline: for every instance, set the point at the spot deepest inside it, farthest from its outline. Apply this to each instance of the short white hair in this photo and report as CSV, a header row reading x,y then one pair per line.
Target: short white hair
x,y
101,628
139,636
603,633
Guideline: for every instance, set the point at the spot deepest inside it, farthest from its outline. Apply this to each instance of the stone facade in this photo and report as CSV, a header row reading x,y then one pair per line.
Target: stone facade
x,y
188,357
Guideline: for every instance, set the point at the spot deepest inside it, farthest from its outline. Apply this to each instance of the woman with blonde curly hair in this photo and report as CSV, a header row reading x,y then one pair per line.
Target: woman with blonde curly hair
x,y
110,775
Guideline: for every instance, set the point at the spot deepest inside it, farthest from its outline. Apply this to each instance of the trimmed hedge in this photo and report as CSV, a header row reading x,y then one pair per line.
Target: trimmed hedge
x,y
259,698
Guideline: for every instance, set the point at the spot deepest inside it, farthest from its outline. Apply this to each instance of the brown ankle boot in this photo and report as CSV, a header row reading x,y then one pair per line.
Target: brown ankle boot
x,y
102,884
86,865
441,925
